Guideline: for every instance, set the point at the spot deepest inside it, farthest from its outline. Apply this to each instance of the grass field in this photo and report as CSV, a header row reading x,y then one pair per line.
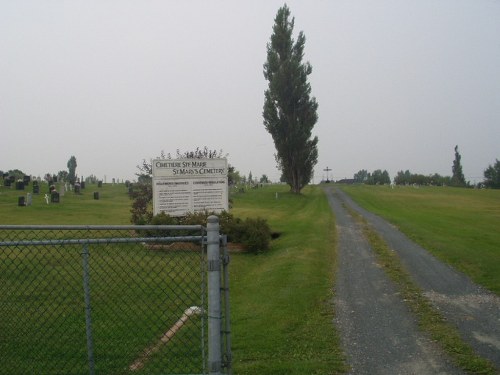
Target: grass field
x,y
113,206
42,321
281,300
459,226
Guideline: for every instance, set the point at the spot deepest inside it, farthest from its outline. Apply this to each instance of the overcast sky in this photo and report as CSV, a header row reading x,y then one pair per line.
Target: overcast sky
x,y
399,83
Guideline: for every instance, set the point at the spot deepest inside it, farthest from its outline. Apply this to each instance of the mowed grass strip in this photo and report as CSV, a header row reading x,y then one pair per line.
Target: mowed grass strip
x,y
281,300
430,320
459,226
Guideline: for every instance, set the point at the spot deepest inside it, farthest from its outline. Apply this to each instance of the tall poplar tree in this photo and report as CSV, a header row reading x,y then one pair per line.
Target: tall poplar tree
x,y
289,110
458,178
72,170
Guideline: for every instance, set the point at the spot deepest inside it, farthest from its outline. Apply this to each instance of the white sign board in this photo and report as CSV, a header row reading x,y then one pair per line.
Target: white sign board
x,y
181,186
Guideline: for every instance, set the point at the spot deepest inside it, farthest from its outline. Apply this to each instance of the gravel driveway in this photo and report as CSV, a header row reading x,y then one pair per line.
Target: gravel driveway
x,y
378,332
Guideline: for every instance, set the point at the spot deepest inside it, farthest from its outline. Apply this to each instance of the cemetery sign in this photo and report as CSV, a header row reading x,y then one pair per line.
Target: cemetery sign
x,y
182,186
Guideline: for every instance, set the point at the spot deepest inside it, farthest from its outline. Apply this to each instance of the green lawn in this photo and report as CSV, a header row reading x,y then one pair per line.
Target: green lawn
x,y
134,297
459,226
112,207
281,300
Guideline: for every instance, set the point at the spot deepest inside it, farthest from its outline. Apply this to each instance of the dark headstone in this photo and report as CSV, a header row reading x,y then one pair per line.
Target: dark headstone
x,y
19,185
26,179
96,195
99,184
82,184
54,197
20,202
36,189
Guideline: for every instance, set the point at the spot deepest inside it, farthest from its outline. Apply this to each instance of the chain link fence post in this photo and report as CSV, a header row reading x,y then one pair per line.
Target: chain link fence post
x,y
214,300
88,315
228,360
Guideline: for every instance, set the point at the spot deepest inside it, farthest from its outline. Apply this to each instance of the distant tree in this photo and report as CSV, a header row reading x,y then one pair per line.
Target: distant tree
x,y
49,178
407,178
233,176
72,170
250,178
17,173
92,179
402,178
457,178
264,179
290,112
361,176
492,175
385,178
62,175
378,177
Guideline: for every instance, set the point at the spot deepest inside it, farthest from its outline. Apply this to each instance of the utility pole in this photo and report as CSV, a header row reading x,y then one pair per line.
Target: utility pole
x,y
327,170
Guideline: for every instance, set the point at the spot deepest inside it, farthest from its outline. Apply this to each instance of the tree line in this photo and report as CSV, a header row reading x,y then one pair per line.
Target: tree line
x,y
457,179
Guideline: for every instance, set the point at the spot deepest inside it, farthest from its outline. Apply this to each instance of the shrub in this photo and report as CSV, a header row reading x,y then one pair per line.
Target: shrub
x,y
256,234
253,234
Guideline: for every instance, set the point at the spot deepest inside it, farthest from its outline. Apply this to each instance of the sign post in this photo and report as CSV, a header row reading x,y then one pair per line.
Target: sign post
x,y
182,186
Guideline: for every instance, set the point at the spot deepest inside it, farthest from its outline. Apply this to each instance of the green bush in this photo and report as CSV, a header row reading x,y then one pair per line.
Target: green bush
x,y
256,234
253,234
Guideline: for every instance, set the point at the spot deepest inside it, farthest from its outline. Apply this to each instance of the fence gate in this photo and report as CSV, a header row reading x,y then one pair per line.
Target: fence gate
x,y
114,300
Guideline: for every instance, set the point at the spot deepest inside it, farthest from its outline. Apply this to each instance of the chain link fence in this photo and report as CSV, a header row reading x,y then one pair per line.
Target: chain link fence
x,y
111,300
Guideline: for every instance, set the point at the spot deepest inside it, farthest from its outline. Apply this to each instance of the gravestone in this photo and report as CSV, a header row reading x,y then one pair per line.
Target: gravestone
x,y
19,185
82,185
99,184
54,197
26,180
20,201
29,199
96,195
36,187
61,190
7,182
77,188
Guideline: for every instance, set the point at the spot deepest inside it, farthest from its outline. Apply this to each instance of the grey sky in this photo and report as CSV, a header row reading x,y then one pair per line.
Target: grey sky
x,y
399,83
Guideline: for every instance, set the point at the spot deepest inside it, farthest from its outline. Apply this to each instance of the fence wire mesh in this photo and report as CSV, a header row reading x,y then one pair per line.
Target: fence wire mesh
x,y
105,300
